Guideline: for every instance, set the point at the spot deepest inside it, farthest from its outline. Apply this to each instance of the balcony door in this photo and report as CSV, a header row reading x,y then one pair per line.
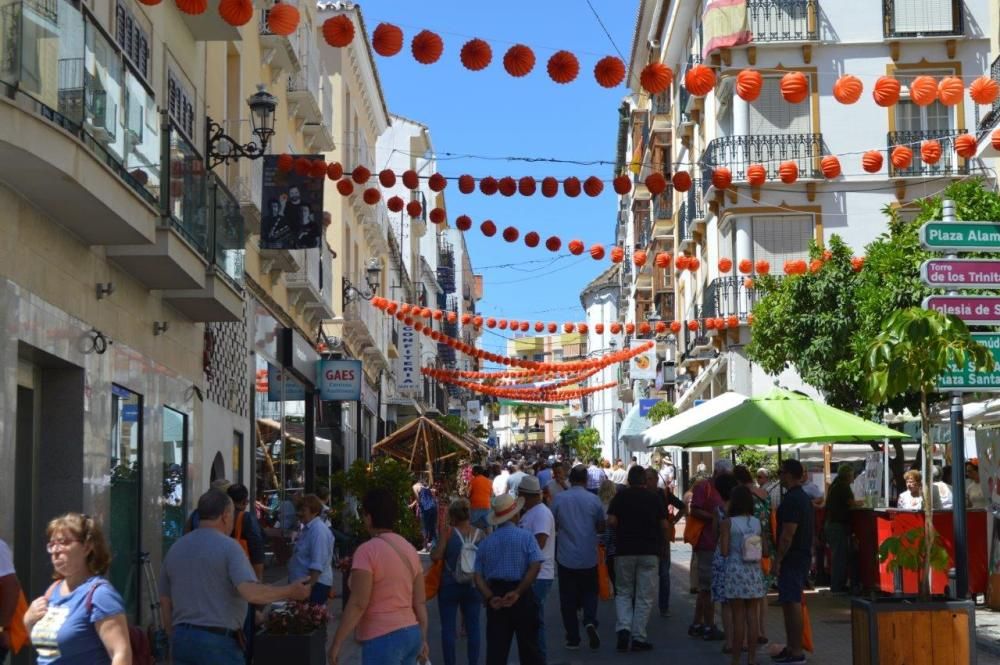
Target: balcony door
x,y
915,123
780,238
770,114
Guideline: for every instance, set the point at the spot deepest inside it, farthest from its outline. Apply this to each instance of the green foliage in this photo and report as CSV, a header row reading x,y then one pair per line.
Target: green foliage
x,y
661,411
568,436
908,551
588,445
480,431
359,478
755,458
454,424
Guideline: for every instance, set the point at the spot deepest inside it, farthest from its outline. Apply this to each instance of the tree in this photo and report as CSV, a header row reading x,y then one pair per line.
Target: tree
x,y
568,436
454,424
661,411
913,349
588,445
528,410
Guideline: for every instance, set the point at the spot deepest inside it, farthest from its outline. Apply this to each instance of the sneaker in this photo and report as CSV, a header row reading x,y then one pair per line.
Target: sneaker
x,y
713,634
572,646
696,630
623,640
595,639
781,654
791,659
641,645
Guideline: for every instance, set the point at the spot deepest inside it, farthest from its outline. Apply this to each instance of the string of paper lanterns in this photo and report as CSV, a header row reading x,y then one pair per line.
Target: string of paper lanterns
x,y
542,394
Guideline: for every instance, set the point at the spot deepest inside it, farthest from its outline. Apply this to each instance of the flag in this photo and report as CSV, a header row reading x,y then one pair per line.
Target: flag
x,y
725,23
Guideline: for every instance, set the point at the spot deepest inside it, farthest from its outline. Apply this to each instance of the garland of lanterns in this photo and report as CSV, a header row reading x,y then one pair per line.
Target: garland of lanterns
x,y
533,394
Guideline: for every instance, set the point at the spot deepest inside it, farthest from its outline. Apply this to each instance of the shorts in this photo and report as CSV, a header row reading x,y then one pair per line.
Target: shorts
x,y
703,562
792,577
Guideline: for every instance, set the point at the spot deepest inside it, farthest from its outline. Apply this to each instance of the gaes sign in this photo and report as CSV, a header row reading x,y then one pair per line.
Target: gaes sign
x,y
339,380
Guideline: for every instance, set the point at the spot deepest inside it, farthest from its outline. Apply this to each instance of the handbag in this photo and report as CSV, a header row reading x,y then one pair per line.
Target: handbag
x,y
604,591
432,578
693,527
18,633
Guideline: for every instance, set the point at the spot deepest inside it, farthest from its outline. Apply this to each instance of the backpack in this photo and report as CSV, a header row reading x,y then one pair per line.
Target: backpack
x,y
753,547
238,533
426,500
465,567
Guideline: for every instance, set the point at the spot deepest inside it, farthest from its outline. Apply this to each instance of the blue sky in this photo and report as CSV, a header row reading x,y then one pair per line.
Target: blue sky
x,y
491,114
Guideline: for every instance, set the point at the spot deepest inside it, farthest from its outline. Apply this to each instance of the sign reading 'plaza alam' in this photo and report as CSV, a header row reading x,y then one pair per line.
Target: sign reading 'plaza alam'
x,y
960,236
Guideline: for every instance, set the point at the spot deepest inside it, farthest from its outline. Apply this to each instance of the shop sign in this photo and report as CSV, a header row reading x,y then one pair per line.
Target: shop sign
x,y
407,370
961,273
643,366
294,391
975,310
960,236
472,412
968,379
645,405
339,380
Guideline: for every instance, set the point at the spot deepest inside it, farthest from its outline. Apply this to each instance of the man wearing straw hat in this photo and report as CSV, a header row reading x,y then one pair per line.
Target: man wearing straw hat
x,y
507,563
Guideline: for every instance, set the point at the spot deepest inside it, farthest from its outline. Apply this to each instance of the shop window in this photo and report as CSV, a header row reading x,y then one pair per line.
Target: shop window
x,y
126,494
174,482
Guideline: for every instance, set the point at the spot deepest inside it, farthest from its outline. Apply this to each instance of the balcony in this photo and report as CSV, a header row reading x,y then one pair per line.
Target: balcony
x,y
309,288
660,109
782,21
949,164
319,135
728,296
904,19
249,190
304,84
277,51
367,330
692,212
663,214
992,118
737,153
210,27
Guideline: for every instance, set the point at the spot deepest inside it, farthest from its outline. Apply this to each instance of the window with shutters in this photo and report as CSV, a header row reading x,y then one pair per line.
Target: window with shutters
x,y
180,103
935,117
133,38
780,238
924,17
771,114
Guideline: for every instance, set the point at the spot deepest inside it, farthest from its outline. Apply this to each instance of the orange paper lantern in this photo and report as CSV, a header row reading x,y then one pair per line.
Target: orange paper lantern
x,y
682,181
639,258
622,184
848,89
693,326
950,90
965,146
550,187
923,90
984,90
662,260
830,165
568,327
722,177
575,247
526,186
871,161
616,328
571,187
762,267
563,67
794,87
746,266
476,55
531,239
387,39
656,183
694,264
748,283
617,254
236,12
338,31
725,265
682,261
519,60
427,47
629,328
886,92
930,151
655,78
857,263
282,19
593,186
749,83
788,172
699,80
901,157
597,252
756,174
609,71
599,328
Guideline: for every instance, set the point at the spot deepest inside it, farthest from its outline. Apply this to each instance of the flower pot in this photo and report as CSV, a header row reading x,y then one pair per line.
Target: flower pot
x,y
888,631
308,649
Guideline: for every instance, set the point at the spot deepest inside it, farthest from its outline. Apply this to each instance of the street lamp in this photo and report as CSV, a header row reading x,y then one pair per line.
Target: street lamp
x,y
372,273
223,148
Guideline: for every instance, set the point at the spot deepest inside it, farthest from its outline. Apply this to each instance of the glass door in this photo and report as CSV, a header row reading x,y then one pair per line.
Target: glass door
x,y
126,494
174,480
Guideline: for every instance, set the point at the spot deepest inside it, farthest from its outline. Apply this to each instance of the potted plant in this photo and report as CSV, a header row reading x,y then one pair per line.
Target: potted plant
x,y
295,633
913,349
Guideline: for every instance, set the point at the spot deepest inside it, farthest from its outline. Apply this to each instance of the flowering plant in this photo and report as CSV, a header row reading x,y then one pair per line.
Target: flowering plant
x,y
296,619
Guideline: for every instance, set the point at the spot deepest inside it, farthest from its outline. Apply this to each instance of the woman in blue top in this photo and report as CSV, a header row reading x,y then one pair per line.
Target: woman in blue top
x,y
452,593
81,618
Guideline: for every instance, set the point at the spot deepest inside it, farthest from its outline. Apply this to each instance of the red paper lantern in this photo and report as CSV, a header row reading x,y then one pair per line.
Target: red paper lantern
x,y
597,252
593,186
531,239
930,151
526,186
762,267
693,326
622,184
857,263
488,185
950,90
317,168
581,328
387,39
901,157
815,265
303,165
629,328
572,187
437,182
553,328
699,80
848,89
550,187
609,71
748,283
575,247
682,181
871,161
477,321
285,162
463,223
662,260
519,60
599,328
654,78
491,322
749,83
615,328
386,178
756,175
725,265
995,139
476,55
371,196
886,92
644,328
722,177
502,324
413,208
965,146
237,12
661,327
553,243
709,324
437,215
830,165
733,321
466,184
617,254
410,179
426,313
360,175
675,326
563,67
426,47
345,187
693,264
282,19
488,228
334,171
923,90
984,90
656,183
788,172
794,87
510,234
639,258
193,7
568,327
682,261
507,186
338,31
395,204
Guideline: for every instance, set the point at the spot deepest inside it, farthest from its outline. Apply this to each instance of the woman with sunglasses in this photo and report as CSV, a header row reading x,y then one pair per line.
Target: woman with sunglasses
x,y
81,618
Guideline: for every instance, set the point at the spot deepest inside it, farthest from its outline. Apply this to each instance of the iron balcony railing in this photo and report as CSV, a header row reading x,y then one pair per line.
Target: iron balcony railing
x,y
782,20
737,153
949,164
690,210
992,117
663,205
728,296
919,18
660,104
643,230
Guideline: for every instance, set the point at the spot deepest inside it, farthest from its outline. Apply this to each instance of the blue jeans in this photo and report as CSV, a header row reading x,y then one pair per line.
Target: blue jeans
x,y
450,598
664,597
577,588
479,518
429,521
198,647
400,647
541,590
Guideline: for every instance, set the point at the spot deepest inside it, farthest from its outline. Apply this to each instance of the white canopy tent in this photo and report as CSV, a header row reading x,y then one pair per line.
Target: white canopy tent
x,y
690,418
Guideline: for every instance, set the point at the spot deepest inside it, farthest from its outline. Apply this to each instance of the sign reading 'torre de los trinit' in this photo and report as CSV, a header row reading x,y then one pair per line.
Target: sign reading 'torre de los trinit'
x,y
960,236
961,273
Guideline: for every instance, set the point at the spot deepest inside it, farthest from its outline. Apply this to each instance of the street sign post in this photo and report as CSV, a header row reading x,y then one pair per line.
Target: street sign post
x,y
961,273
948,236
974,310
966,379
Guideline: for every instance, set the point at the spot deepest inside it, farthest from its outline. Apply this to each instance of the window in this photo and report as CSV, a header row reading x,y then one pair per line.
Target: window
x,y
771,114
923,16
237,457
933,117
125,458
175,460
133,39
180,103
781,238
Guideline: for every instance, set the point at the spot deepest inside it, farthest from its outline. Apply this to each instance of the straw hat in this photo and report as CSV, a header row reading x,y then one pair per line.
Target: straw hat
x,y
504,508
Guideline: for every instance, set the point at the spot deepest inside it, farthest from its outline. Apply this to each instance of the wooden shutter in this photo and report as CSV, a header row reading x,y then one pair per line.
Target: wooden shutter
x,y
780,238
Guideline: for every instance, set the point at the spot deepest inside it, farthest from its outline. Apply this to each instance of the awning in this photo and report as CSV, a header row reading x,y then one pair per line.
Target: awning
x,y
632,428
701,383
691,417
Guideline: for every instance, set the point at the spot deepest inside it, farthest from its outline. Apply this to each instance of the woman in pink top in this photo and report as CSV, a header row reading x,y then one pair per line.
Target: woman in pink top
x,y
387,604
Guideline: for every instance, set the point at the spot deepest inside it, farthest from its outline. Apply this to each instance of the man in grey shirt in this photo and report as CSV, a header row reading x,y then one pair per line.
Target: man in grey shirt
x,y
205,585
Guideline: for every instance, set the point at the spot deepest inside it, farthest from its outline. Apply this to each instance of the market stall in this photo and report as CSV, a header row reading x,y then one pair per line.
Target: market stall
x,y
424,443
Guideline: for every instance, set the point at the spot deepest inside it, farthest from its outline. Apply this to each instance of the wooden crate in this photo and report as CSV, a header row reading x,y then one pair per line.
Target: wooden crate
x,y
905,631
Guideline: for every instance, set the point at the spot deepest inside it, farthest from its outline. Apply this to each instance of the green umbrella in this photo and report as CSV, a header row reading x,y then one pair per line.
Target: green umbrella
x,y
781,417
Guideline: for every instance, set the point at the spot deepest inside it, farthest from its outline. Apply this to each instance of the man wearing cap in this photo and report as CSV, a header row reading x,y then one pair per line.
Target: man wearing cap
x,y
538,521
507,564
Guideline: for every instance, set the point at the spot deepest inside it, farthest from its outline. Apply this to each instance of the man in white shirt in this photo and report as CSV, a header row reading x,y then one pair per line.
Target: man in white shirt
x,y
595,476
974,497
538,519
619,475
667,475
500,482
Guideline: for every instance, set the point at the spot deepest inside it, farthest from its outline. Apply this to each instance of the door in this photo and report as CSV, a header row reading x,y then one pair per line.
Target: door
x,y
174,482
126,494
